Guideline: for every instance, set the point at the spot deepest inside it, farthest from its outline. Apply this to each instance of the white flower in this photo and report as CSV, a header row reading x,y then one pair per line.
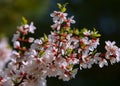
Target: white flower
x,y
58,17
65,77
48,56
84,40
31,39
16,36
38,41
23,29
102,62
70,20
31,53
42,82
83,65
56,26
34,82
62,52
109,43
26,26
87,64
97,58
93,44
113,52
32,28
62,17
15,55
84,56
55,14
6,82
16,44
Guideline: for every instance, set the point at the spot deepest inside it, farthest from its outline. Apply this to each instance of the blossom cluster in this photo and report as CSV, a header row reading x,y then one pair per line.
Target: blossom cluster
x,y
54,55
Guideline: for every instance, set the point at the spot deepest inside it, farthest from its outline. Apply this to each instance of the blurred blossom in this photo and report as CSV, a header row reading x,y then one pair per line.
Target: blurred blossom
x,y
5,52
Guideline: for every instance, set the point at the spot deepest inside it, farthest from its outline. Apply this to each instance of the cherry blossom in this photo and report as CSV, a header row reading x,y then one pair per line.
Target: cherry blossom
x,y
113,52
58,17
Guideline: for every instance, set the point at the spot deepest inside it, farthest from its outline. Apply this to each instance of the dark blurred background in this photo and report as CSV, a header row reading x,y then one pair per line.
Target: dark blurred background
x,y
104,15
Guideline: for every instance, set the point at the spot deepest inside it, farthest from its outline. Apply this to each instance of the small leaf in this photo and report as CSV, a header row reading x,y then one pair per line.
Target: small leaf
x,y
69,51
76,32
41,53
59,5
24,21
62,7
70,31
95,33
65,4
84,30
45,37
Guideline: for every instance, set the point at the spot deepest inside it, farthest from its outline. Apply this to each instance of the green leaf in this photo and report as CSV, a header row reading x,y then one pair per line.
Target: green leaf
x,y
62,7
24,21
69,51
70,31
76,31
45,37
95,33
59,5
84,30
41,53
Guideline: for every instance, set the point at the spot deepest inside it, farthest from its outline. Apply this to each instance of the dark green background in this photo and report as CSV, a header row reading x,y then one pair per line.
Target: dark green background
x,y
101,14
